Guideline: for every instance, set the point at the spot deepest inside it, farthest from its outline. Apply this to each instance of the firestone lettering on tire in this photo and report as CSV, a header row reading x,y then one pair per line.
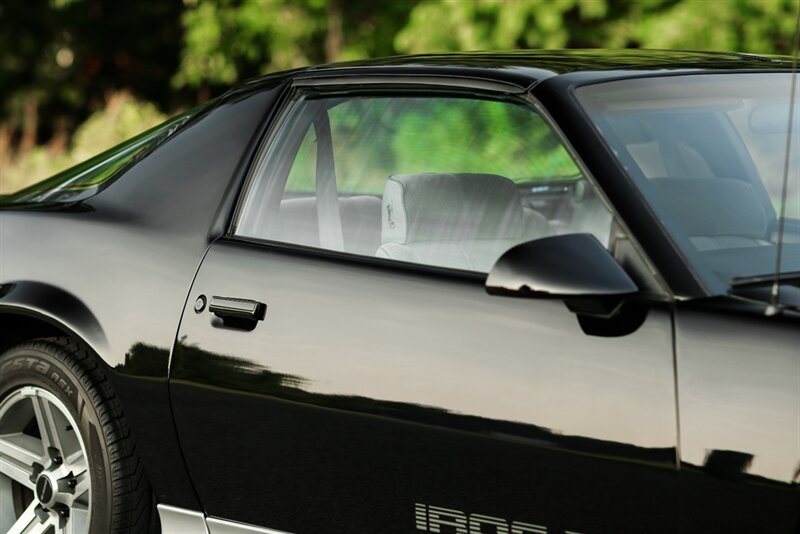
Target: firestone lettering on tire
x,y
62,383
20,364
40,366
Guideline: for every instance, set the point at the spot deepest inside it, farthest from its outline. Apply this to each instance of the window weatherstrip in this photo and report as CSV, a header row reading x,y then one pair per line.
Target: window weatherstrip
x,y
448,82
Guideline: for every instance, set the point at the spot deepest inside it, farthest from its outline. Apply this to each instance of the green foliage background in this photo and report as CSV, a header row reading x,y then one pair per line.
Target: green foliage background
x,y
374,138
78,76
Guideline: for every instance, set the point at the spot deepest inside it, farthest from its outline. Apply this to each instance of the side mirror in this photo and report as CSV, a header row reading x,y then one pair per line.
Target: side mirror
x,y
573,267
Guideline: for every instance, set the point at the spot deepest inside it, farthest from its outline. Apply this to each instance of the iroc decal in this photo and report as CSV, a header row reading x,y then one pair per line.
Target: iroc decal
x,y
450,521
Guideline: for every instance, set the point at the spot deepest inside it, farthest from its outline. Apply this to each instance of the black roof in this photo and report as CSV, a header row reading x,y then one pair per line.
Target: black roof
x,y
526,67
563,61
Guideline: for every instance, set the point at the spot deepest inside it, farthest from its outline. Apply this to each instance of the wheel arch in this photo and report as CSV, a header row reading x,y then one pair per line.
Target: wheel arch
x,y
30,309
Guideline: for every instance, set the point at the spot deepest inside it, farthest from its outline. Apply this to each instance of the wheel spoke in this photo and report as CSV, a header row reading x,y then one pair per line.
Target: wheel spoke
x,y
28,522
83,484
18,453
48,424
43,528
78,520
76,461
21,448
55,458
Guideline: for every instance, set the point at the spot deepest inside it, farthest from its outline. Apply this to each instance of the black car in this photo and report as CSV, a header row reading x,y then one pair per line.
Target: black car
x,y
481,293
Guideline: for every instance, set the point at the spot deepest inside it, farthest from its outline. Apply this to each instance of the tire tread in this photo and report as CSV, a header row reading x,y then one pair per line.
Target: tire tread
x,y
131,496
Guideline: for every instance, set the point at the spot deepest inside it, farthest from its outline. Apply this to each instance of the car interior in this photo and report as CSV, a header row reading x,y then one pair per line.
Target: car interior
x,y
708,185
713,168
456,220
464,218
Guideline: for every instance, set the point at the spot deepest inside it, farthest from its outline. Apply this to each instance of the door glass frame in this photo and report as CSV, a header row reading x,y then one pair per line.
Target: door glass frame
x,y
329,87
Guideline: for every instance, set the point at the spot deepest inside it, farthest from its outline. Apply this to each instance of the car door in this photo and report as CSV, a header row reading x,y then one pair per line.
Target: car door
x,y
740,420
340,367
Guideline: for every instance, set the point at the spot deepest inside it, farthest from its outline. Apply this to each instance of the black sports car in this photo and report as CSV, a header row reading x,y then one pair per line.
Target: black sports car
x,y
518,293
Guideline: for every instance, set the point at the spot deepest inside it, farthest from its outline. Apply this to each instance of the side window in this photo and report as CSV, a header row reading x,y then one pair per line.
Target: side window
x,y
442,181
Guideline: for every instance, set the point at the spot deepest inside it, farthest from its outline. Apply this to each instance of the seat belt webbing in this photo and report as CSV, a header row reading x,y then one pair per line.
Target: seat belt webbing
x,y
329,218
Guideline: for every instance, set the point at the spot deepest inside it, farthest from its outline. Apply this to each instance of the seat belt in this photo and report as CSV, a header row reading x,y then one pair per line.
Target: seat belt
x,y
329,217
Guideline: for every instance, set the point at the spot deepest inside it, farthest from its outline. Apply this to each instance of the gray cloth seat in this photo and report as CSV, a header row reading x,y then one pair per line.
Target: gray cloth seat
x,y
462,221
361,215
715,213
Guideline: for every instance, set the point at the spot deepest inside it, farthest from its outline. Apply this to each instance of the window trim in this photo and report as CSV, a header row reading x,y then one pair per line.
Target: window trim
x,y
330,86
664,291
359,259
349,85
418,80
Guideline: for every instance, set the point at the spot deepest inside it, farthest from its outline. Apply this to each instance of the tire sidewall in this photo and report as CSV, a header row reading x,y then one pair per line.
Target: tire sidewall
x,y
44,366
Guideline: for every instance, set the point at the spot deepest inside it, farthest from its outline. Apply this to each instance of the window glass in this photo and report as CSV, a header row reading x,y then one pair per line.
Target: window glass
x,y
90,177
443,181
708,153
302,175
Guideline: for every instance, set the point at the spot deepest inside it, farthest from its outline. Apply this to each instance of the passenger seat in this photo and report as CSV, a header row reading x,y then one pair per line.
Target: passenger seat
x,y
459,220
361,215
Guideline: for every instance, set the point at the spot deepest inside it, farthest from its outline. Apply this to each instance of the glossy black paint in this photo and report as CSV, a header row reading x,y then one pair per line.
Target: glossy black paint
x,y
557,98
338,420
788,295
738,384
529,67
572,265
115,273
366,390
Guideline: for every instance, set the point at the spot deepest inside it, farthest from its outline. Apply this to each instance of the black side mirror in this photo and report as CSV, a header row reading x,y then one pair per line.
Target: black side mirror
x,y
573,267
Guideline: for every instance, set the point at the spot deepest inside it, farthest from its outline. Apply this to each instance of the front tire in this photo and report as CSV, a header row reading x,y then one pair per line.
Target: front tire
x,y
67,461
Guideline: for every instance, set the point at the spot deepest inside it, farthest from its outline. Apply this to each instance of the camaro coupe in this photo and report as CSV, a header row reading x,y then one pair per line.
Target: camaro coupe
x,y
507,293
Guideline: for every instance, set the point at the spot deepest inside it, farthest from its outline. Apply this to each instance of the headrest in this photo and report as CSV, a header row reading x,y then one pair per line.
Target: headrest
x,y
713,206
450,207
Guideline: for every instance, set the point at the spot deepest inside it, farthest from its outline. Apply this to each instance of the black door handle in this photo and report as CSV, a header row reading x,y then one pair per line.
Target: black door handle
x,y
238,313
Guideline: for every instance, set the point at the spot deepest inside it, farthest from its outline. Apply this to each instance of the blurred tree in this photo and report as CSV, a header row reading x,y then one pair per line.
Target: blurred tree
x,y
25,80
228,40
61,59
122,118
757,26
450,25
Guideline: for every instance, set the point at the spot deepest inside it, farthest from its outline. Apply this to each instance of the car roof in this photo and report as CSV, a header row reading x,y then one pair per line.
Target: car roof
x,y
524,68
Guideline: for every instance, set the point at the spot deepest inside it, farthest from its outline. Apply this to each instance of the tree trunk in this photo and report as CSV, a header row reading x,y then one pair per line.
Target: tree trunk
x,y
5,146
30,124
203,93
58,143
5,155
334,40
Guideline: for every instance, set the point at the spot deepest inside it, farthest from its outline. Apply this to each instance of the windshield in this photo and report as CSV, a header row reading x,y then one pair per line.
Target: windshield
x,y
90,177
707,151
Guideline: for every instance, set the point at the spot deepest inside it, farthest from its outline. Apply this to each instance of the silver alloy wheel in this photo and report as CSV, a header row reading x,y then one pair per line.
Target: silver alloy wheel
x,y
45,484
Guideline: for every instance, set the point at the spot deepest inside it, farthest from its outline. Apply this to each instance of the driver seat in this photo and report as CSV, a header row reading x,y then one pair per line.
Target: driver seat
x,y
714,213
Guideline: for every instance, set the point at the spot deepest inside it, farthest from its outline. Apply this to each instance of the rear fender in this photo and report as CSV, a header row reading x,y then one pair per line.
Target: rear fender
x,y
55,306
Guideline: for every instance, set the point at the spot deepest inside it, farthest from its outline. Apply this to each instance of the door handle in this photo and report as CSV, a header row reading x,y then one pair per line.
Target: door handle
x,y
238,313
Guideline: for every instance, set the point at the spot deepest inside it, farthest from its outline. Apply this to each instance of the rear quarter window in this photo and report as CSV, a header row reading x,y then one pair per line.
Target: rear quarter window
x,y
90,177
